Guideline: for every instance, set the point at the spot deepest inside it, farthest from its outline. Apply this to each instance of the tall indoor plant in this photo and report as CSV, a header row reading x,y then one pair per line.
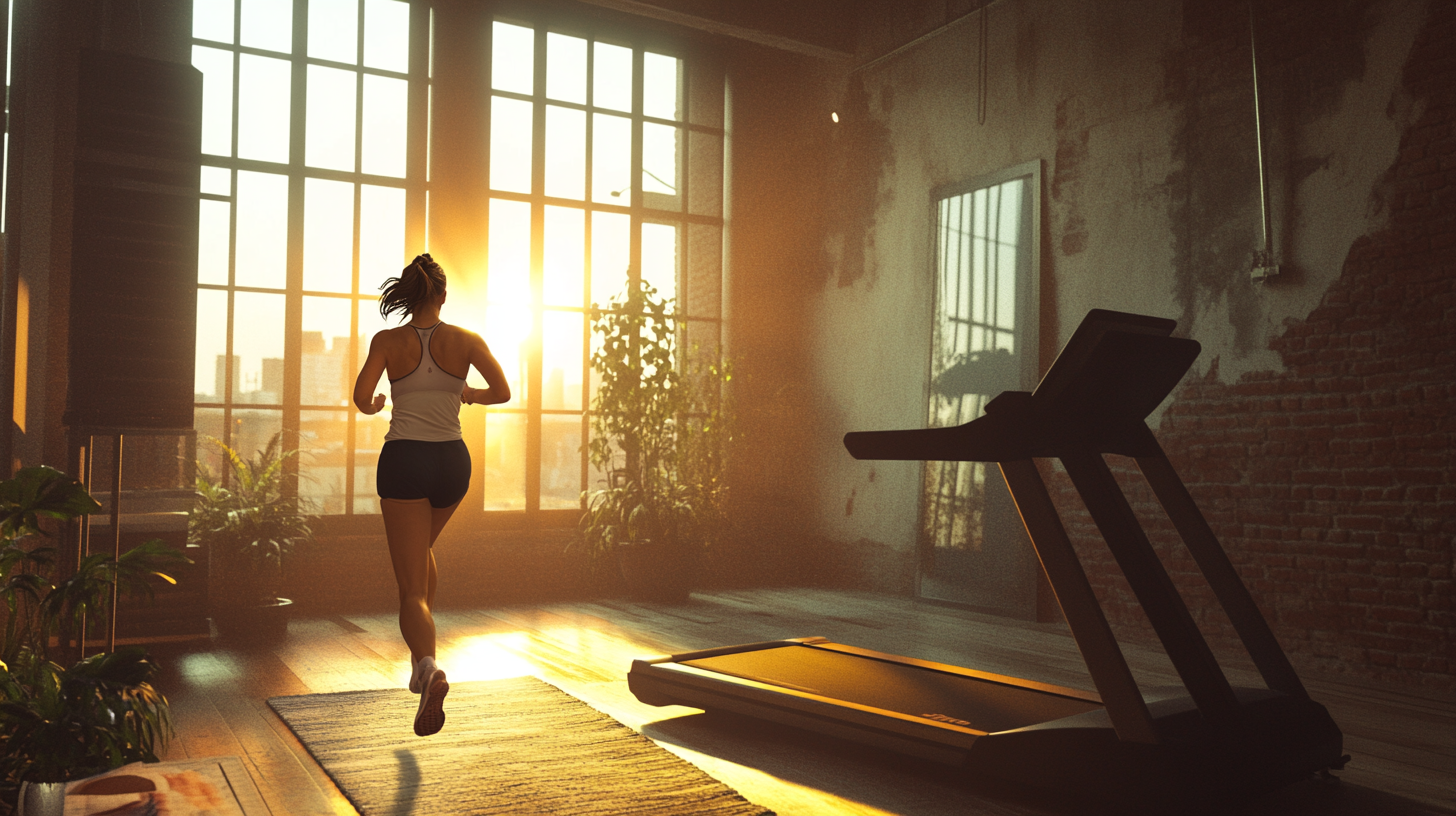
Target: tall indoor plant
x,y
249,521
67,720
660,428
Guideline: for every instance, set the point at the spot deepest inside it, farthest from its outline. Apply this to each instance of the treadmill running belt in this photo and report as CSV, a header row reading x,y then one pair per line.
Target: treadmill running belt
x,y
982,705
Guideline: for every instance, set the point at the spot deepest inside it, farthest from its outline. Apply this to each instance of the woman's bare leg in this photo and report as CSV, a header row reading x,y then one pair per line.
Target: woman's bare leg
x,y
408,526
438,517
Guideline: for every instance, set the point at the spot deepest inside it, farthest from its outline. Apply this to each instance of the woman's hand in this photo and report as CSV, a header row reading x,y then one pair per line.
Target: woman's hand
x,y
378,403
467,394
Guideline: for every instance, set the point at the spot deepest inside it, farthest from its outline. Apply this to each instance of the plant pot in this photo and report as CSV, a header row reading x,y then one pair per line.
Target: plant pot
x,y
658,572
41,799
262,625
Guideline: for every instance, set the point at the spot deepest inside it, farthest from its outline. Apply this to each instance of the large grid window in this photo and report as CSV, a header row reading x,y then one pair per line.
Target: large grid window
x,y
310,178
606,163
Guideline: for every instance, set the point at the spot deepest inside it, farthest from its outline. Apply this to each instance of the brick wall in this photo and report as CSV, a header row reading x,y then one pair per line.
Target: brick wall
x,y
1332,483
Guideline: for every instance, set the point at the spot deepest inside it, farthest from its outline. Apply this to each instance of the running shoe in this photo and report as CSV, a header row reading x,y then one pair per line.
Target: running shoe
x,y
430,717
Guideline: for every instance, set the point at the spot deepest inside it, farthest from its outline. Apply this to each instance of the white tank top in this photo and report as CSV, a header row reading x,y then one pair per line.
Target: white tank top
x,y
426,400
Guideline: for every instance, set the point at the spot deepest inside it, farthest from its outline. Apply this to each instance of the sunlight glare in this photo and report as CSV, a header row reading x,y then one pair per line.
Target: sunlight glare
x,y
486,657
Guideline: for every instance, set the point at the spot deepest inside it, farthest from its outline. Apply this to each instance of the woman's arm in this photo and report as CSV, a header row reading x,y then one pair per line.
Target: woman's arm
x,y
498,390
369,377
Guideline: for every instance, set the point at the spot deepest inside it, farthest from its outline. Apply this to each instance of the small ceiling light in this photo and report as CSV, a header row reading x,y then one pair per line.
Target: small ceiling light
x,y
834,116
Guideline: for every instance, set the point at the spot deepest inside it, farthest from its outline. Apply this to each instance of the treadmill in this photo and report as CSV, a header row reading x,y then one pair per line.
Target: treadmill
x,y
1205,739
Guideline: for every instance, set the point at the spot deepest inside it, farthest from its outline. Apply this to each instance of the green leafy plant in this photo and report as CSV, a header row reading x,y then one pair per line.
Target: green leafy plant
x,y
67,723
249,520
59,723
660,432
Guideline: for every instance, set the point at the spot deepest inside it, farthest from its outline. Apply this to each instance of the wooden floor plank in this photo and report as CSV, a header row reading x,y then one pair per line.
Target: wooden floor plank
x,y
1402,744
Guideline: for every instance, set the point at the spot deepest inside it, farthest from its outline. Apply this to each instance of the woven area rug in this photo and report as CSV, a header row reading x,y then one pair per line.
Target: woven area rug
x,y
518,746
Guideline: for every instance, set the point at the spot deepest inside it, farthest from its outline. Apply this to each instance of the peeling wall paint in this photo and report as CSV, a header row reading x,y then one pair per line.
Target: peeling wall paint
x,y
1142,114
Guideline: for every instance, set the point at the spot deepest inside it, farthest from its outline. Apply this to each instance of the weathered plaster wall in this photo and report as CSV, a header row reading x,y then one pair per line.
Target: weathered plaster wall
x,y
1142,115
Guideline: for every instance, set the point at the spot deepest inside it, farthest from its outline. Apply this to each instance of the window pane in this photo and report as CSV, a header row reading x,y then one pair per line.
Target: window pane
x,y
704,295
512,64
505,462
660,151
209,425
252,428
268,24
508,266
216,181
385,108
611,159
566,68
212,20
217,99
661,84
324,377
211,374
612,77
659,258
333,30
507,331
565,152
705,169
610,255
212,241
262,241
561,360
329,141
386,35
322,461
369,434
328,235
263,94
560,462
510,145
258,347
381,235
563,273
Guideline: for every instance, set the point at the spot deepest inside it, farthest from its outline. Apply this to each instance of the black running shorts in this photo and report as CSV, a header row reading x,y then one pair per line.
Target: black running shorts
x,y
411,469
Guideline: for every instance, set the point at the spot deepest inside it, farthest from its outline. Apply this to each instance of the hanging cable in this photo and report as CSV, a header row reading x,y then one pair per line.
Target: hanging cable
x,y
1263,266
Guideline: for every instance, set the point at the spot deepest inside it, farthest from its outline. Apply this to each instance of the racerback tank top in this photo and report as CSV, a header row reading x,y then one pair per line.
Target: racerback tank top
x,y
426,400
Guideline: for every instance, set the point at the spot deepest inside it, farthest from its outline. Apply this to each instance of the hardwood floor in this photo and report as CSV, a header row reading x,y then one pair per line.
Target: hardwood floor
x,y
1403,746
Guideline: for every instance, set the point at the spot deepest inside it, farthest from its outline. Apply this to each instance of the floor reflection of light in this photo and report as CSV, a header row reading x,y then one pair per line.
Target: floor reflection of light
x,y
486,657
209,669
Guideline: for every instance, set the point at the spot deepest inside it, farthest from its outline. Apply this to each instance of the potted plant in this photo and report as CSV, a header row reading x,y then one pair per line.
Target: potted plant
x,y
659,432
249,521
66,720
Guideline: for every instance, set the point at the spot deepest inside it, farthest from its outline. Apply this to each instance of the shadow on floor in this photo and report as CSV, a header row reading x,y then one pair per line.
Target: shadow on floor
x,y
906,785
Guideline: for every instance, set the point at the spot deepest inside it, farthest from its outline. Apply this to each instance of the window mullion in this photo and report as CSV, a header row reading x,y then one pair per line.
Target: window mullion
x,y
634,242
293,298
534,363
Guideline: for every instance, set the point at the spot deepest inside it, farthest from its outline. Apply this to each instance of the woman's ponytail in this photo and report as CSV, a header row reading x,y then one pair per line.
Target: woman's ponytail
x,y
420,282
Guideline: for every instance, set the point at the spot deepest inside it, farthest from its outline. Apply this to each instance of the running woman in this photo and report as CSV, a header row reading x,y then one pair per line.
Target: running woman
x,y
424,466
